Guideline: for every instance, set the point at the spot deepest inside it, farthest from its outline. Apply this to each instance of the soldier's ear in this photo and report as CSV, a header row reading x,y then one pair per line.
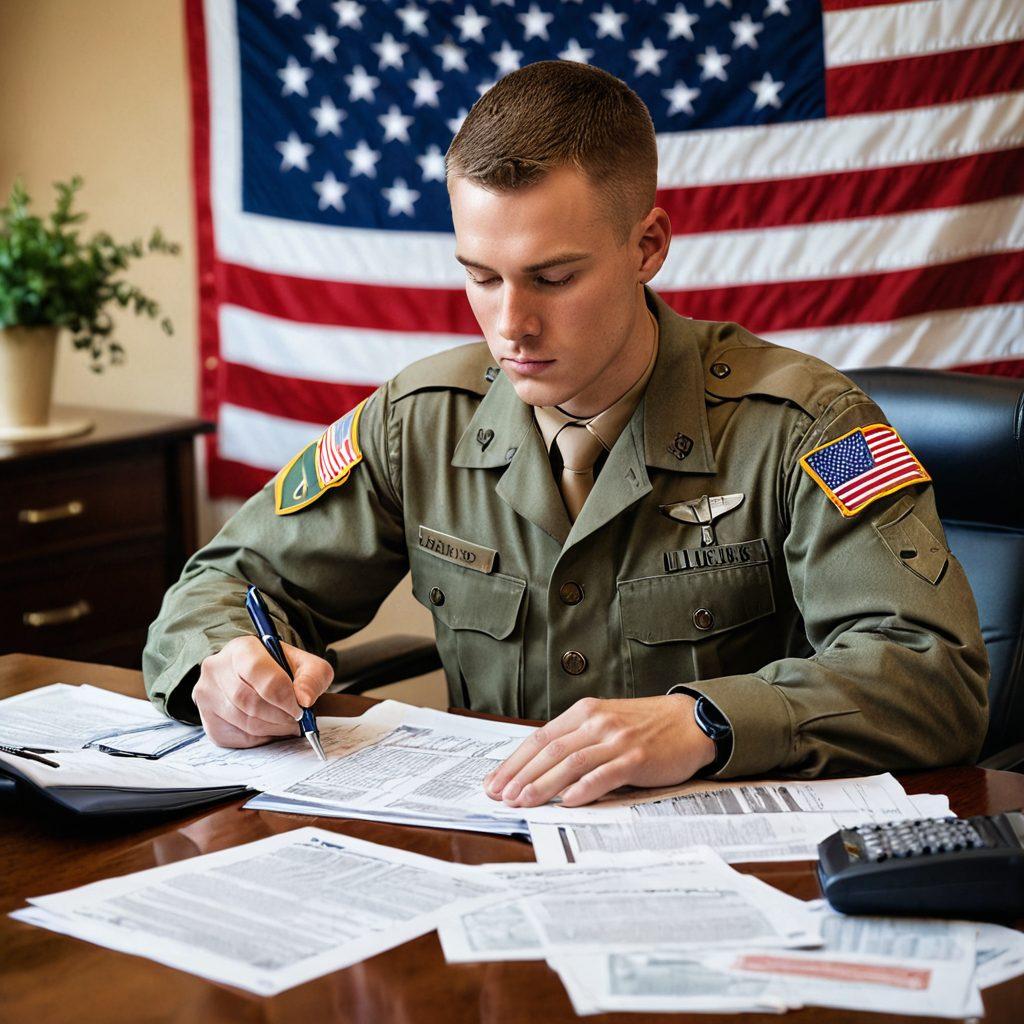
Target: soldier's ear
x,y
653,240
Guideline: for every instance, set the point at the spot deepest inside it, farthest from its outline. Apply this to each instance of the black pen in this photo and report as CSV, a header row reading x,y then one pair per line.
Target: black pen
x,y
260,615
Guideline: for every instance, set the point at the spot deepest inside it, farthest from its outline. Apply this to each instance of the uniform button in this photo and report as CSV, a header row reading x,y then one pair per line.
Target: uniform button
x,y
703,619
720,370
436,596
510,454
570,593
574,663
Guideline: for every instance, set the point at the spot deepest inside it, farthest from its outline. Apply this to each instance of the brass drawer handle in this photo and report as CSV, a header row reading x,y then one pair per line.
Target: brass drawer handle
x,y
47,515
58,616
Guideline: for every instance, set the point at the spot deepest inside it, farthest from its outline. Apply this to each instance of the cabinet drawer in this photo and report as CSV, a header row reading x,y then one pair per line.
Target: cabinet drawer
x,y
44,512
63,606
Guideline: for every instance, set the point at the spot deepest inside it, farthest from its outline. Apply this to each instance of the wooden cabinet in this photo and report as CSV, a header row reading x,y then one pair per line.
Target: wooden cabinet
x,y
93,530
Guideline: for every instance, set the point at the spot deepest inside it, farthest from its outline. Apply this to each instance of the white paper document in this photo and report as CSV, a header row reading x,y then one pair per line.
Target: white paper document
x,y
893,966
868,796
409,765
270,914
62,717
735,837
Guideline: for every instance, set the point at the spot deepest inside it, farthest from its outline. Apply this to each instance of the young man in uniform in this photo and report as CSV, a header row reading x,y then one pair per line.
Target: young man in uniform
x,y
689,550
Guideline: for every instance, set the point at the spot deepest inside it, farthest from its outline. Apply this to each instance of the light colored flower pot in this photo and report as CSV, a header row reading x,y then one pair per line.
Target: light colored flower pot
x,y
27,357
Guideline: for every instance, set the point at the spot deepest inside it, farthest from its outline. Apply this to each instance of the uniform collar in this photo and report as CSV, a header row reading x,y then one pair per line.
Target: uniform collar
x,y
675,417
673,411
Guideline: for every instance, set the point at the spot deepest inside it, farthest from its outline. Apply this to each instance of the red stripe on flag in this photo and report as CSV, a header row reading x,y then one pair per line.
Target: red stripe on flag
x,y
996,368
347,303
229,479
868,298
846,5
925,80
311,401
870,481
869,193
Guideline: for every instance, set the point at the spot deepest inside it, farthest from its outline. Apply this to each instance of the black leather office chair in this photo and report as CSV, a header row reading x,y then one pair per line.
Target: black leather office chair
x,y
967,431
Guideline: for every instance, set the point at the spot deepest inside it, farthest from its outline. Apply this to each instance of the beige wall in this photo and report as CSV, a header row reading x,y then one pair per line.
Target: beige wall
x,y
100,88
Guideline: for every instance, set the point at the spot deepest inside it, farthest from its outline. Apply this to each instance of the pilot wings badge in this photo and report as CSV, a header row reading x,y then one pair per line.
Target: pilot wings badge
x,y
703,512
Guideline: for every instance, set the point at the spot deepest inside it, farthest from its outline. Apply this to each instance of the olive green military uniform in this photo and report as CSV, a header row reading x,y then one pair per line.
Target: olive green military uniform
x,y
832,643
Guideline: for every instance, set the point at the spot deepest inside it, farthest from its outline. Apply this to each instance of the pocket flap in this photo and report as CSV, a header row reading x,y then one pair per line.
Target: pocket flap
x,y
464,599
911,542
693,606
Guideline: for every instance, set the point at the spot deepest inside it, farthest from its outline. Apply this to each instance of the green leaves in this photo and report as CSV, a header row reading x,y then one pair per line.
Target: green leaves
x,y
49,275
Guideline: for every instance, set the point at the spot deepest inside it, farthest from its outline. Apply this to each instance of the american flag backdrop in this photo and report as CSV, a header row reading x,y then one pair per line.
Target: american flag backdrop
x,y
843,176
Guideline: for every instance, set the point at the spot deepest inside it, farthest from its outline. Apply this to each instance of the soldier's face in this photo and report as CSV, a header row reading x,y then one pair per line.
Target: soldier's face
x,y
557,293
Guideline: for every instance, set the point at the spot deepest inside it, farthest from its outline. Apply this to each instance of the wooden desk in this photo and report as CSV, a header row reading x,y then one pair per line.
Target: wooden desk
x,y
47,978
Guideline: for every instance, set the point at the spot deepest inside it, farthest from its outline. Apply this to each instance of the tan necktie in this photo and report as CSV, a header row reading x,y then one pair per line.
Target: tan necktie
x,y
579,449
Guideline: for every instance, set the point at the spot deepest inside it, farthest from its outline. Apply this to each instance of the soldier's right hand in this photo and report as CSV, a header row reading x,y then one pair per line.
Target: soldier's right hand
x,y
245,698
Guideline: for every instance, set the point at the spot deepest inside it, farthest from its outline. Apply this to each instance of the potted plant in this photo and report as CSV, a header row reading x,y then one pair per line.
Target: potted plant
x,y
52,279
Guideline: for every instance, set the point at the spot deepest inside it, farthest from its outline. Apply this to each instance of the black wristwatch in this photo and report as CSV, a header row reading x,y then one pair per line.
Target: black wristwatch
x,y
716,727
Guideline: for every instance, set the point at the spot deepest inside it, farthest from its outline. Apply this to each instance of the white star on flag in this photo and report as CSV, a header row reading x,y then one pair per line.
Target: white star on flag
x,y
363,159
331,192
713,64
453,58
289,7
432,164
361,84
426,88
455,123
648,58
414,20
776,7
471,25
745,32
535,23
680,97
322,44
400,198
395,124
294,153
507,59
767,92
724,3
577,53
680,23
485,87
609,22
328,117
390,52
350,14
295,77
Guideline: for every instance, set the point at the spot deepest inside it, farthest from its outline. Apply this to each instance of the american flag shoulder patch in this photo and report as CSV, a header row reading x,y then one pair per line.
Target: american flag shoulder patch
x,y
863,465
322,464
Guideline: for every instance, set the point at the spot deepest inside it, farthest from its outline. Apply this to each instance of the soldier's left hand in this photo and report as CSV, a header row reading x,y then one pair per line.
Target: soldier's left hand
x,y
598,745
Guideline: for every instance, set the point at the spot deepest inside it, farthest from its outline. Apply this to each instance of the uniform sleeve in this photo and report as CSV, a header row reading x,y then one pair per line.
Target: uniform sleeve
x,y
324,570
898,675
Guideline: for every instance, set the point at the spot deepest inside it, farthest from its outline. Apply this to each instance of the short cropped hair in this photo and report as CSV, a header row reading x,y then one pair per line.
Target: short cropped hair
x,y
558,113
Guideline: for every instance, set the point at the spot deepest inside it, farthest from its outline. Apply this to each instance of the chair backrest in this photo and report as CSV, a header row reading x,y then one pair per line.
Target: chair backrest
x,y
967,431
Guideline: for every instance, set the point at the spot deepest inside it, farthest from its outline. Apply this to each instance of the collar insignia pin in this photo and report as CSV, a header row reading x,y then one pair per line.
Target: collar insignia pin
x,y
484,438
681,446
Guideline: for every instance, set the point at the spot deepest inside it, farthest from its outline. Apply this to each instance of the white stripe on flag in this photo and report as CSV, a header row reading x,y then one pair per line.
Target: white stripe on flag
x,y
314,352
844,247
936,340
930,26
837,144
261,440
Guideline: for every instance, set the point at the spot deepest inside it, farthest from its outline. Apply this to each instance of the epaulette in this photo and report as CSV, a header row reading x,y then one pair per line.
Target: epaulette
x,y
464,368
738,364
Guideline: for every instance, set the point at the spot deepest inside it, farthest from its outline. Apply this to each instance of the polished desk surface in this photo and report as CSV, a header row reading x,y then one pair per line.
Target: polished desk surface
x,y
47,978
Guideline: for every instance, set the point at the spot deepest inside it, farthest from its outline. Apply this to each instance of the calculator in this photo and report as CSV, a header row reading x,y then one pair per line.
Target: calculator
x,y
928,867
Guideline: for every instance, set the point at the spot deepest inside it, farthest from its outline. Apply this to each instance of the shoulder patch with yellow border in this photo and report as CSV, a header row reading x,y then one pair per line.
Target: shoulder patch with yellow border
x,y
863,465
321,465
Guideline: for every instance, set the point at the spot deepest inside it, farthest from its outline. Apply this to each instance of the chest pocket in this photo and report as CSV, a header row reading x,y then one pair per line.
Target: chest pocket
x,y
478,627
681,627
